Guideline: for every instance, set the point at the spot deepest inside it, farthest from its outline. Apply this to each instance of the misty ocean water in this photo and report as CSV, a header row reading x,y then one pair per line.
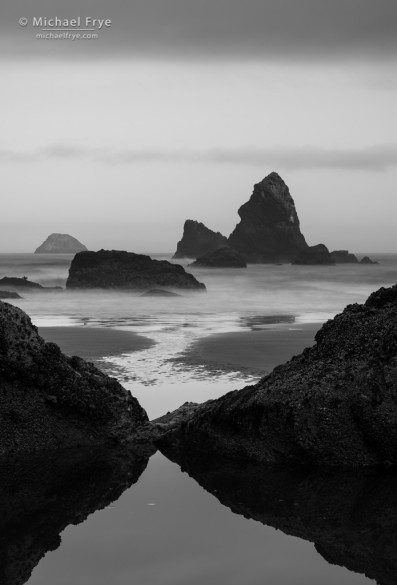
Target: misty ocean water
x,y
167,529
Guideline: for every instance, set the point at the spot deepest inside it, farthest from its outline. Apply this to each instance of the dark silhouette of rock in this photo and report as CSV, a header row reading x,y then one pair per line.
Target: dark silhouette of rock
x,y
350,517
126,270
50,401
269,228
221,258
197,240
60,244
12,282
41,496
7,294
334,405
158,292
343,257
314,255
367,260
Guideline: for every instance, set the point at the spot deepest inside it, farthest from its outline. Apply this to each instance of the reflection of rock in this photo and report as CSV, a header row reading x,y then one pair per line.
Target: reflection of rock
x,y
49,400
367,260
343,257
126,270
39,497
269,228
60,244
315,255
8,294
158,292
332,405
350,518
221,258
197,240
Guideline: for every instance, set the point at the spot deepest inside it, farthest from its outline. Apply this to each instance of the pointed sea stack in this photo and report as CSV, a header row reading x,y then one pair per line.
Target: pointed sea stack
x,y
60,244
197,240
269,228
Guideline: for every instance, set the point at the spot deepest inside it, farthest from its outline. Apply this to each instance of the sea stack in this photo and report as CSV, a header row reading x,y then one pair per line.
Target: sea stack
x,y
60,244
197,240
334,405
221,258
49,401
115,269
269,228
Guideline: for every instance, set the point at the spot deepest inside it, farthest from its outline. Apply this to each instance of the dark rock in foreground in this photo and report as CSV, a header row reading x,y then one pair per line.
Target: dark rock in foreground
x,y
126,270
315,255
60,244
158,292
41,496
221,258
197,240
269,228
343,257
334,405
367,260
351,518
7,294
50,401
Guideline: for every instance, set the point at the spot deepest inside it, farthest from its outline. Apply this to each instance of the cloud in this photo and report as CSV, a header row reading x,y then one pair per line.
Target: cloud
x,y
290,30
369,159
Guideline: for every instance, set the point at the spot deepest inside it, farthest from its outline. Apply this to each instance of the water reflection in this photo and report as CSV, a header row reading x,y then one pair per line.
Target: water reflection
x,y
40,497
350,517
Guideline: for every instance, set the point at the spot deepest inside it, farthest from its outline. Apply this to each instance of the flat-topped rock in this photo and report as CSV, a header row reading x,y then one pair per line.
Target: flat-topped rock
x,y
318,254
60,244
269,229
50,401
334,405
125,270
221,258
197,240
343,257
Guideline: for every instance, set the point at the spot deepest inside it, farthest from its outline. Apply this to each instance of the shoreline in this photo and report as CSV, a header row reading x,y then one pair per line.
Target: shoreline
x,y
255,353
94,343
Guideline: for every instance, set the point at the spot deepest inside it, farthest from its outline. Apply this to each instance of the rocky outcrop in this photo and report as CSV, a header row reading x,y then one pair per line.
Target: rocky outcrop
x,y
350,517
197,240
343,257
334,405
14,282
126,270
41,496
7,294
60,244
50,401
221,258
314,255
269,228
367,260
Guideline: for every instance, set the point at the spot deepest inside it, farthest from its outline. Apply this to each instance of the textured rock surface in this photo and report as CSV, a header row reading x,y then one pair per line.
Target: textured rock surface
x,y
314,255
116,269
197,240
221,258
333,405
40,497
343,257
350,517
269,228
60,244
50,401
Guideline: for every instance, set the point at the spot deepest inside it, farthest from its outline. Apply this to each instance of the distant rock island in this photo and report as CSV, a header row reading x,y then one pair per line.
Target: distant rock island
x,y
60,244
333,405
269,232
125,270
221,258
197,240
12,282
7,294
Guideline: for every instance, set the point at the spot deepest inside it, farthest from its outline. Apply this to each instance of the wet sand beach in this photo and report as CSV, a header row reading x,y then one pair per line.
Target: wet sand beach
x,y
93,343
256,352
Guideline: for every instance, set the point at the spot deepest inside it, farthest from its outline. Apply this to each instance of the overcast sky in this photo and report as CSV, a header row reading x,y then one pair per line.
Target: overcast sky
x,y
179,107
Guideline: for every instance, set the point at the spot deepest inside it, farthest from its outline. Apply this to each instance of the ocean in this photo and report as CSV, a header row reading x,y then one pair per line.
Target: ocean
x,y
166,529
